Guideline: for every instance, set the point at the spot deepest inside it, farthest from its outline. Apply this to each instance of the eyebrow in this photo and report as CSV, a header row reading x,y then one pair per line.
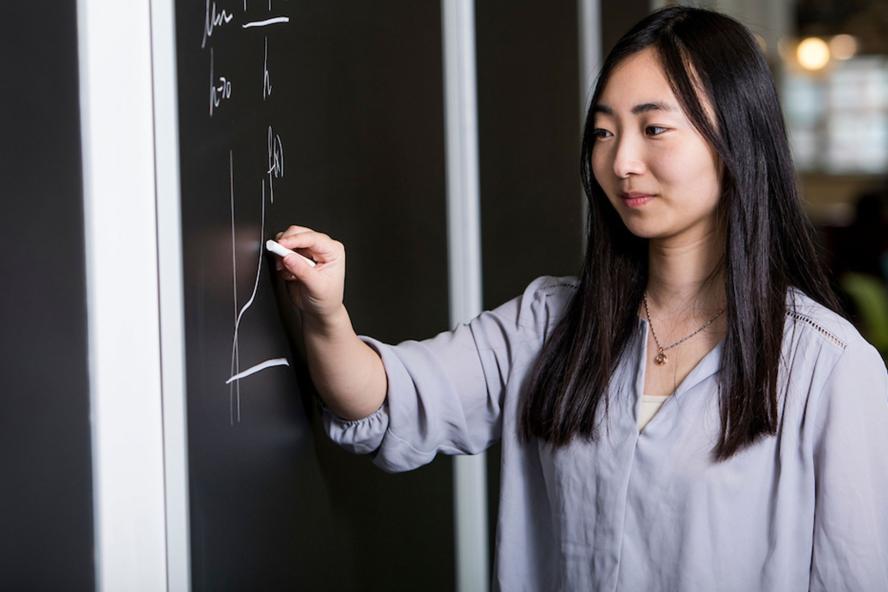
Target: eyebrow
x,y
640,108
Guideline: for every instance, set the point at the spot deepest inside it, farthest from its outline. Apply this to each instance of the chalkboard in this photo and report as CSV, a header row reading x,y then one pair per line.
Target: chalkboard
x,y
46,494
329,115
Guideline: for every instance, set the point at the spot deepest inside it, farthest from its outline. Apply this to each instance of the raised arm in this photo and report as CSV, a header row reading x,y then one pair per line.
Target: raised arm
x,y
348,374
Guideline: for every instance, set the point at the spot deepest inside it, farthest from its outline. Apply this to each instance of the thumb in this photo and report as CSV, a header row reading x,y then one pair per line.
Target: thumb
x,y
297,265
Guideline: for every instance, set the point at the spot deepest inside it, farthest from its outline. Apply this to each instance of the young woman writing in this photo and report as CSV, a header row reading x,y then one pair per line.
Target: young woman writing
x,y
689,413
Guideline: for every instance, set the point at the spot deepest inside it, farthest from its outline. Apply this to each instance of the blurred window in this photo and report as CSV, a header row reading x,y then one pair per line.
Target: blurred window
x,y
838,119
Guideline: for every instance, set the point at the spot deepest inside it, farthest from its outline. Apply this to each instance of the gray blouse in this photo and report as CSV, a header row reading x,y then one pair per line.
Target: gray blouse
x,y
806,509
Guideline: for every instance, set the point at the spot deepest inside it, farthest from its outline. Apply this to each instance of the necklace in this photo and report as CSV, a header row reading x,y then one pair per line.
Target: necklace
x,y
661,356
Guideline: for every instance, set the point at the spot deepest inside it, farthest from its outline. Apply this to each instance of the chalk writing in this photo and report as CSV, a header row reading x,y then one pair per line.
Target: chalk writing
x,y
266,76
220,88
272,21
235,345
233,389
275,160
220,91
213,20
258,368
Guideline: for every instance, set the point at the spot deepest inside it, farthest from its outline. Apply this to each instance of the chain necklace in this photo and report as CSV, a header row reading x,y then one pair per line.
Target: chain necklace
x,y
661,358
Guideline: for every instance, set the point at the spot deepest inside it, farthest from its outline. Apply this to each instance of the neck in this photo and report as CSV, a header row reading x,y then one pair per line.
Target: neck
x,y
677,276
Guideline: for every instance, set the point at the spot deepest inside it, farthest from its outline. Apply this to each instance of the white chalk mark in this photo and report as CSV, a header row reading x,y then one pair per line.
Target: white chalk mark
x,y
249,303
266,76
235,357
267,22
217,93
275,160
213,102
258,368
213,20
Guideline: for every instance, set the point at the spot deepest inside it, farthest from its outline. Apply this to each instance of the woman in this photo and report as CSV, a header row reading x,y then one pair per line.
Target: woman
x,y
766,464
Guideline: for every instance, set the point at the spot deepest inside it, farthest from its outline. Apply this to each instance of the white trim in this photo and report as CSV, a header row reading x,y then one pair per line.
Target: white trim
x,y
464,251
117,143
589,33
172,299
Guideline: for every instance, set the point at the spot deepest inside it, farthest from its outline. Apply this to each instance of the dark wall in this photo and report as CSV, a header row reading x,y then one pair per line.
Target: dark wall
x,y
357,102
618,17
46,521
529,136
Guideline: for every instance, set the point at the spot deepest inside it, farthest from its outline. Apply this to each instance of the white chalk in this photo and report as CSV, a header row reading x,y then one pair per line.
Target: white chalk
x,y
281,250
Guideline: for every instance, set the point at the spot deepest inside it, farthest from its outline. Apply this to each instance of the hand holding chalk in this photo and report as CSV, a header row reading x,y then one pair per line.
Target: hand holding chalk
x,y
282,251
315,279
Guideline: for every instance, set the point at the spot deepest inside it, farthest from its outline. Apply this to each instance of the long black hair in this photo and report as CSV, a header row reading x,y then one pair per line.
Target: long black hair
x,y
768,240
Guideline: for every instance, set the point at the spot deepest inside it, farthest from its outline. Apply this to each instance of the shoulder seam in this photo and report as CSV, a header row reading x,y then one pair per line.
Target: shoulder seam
x,y
558,284
818,327
542,295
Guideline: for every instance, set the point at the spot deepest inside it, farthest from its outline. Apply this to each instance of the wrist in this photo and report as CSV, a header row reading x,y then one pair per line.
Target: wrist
x,y
328,324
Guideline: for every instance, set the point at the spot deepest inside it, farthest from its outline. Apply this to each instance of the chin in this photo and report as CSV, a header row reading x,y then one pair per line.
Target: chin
x,y
644,230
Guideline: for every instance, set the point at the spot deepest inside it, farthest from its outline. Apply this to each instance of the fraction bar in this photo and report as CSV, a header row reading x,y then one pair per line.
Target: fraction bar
x,y
266,22
258,367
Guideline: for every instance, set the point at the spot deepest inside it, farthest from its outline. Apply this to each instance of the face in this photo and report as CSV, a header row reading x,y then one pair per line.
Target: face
x,y
658,172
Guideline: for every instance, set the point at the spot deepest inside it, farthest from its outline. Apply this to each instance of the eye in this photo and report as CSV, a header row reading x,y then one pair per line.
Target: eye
x,y
654,130
599,133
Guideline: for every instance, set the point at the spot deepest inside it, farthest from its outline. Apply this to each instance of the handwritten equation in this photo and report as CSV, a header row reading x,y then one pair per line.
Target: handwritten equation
x,y
218,23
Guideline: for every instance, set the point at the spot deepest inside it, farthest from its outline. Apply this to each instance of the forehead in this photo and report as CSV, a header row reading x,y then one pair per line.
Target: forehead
x,y
637,79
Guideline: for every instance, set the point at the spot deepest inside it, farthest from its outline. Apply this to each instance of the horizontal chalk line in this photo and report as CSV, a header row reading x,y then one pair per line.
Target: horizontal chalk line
x,y
258,368
266,22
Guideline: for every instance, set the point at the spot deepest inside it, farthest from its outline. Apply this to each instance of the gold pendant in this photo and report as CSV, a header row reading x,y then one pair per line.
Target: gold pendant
x,y
660,359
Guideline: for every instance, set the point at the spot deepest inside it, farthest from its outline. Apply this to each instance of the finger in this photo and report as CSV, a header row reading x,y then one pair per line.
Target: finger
x,y
298,266
289,234
318,246
293,230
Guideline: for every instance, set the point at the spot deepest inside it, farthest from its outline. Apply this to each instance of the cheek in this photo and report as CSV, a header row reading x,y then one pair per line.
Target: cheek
x,y
597,163
602,167
689,174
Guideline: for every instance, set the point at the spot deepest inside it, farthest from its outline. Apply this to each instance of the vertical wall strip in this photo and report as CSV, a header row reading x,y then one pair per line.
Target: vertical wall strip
x,y
589,33
114,44
464,251
171,293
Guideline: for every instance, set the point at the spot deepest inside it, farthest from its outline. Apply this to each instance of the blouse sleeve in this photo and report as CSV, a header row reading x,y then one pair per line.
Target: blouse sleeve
x,y
850,549
445,394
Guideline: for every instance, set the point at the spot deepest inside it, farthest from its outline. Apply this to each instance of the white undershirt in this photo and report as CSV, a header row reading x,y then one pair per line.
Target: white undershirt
x,y
647,407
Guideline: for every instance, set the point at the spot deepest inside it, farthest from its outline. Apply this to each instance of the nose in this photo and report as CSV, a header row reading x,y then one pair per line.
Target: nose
x,y
628,157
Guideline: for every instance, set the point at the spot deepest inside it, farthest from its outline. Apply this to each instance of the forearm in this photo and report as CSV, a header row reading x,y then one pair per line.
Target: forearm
x,y
347,373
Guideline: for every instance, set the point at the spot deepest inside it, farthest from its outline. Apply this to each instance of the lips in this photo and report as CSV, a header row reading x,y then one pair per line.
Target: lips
x,y
635,199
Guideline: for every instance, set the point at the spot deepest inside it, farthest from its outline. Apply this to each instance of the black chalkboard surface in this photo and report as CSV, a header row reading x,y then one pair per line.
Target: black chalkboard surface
x,y
328,115
46,493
